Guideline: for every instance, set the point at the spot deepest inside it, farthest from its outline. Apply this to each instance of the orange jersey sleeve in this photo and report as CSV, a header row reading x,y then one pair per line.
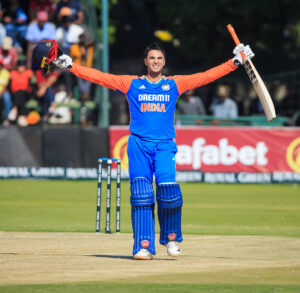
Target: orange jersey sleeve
x,y
111,81
189,82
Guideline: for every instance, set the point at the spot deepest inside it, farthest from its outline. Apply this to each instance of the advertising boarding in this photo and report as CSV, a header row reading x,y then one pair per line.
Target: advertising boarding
x,y
228,154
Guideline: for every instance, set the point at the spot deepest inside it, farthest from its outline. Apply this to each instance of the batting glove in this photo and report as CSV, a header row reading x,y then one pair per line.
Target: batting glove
x,y
241,48
63,62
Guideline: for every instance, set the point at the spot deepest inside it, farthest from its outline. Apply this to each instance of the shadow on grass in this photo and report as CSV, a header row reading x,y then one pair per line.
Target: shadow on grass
x,y
125,257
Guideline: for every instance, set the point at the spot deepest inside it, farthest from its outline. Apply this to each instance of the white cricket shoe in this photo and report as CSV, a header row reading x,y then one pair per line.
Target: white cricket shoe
x,y
143,254
173,249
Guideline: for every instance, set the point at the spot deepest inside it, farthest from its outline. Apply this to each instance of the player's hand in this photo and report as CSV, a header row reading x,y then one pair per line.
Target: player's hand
x,y
63,62
238,59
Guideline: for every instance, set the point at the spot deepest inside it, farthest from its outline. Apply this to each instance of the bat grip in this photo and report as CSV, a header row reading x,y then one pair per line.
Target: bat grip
x,y
235,37
233,34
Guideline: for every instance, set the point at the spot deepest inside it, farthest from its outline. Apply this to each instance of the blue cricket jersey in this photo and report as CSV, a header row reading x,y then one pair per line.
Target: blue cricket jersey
x,y
152,105
152,108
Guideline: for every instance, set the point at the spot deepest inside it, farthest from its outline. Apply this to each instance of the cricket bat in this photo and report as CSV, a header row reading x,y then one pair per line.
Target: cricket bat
x,y
257,82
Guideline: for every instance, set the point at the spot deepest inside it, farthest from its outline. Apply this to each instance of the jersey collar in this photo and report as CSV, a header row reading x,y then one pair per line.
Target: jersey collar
x,y
162,78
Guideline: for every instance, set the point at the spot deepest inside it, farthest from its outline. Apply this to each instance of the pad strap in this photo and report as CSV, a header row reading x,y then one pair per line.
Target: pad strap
x,y
169,196
142,193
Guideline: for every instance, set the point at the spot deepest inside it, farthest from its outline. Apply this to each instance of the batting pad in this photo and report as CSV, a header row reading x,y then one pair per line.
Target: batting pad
x,y
169,203
142,214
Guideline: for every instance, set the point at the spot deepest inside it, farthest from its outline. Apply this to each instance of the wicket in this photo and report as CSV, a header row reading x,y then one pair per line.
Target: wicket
x,y
108,194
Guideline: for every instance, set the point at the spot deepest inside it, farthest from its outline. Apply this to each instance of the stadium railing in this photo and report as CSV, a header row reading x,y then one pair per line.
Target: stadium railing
x,y
243,120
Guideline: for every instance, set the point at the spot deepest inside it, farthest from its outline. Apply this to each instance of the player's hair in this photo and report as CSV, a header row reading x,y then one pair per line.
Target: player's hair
x,y
154,46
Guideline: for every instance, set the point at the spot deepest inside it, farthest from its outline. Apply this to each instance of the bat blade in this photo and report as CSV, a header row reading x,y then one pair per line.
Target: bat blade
x,y
257,82
261,90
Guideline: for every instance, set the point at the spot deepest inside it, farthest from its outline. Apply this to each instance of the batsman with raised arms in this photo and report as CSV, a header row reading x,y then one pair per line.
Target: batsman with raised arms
x,y
151,145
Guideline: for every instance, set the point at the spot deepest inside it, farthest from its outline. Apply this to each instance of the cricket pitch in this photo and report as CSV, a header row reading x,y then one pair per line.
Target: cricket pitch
x,y
52,258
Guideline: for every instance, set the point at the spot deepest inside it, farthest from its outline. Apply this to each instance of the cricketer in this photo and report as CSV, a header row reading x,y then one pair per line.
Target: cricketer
x,y
151,145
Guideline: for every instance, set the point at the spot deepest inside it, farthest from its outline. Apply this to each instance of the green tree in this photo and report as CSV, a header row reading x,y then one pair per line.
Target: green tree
x,y
271,27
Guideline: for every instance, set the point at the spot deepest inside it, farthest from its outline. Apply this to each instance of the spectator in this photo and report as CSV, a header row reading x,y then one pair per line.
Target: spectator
x,y
9,26
15,26
77,15
41,5
4,93
62,114
223,106
83,54
38,31
8,54
256,107
44,92
68,32
66,35
21,29
20,88
191,105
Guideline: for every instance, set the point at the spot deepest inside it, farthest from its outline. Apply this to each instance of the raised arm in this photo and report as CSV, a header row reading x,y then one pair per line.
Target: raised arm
x,y
48,56
111,81
189,82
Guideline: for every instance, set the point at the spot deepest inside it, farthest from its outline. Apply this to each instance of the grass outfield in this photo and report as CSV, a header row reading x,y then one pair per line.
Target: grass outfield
x,y
209,209
129,288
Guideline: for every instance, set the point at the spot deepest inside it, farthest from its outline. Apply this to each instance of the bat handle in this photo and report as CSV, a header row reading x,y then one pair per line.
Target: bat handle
x,y
233,34
235,37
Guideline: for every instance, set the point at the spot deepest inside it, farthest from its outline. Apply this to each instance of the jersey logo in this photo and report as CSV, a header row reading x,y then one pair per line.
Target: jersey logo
x,y
154,98
142,87
165,87
172,237
145,243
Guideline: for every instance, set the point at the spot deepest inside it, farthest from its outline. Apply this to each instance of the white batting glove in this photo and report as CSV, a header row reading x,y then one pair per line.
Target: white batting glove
x,y
63,62
237,60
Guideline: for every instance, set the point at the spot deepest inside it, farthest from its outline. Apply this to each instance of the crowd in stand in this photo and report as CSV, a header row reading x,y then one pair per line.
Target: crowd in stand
x,y
221,107
21,81
30,96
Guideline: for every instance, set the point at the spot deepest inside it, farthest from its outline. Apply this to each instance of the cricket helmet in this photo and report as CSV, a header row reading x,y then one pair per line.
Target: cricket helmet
x,y
44,53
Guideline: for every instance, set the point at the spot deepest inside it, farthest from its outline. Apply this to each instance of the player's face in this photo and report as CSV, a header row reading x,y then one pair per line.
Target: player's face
x,y
155,61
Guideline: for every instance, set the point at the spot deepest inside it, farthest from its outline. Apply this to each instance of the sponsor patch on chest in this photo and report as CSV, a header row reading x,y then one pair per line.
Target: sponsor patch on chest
x,y
154,98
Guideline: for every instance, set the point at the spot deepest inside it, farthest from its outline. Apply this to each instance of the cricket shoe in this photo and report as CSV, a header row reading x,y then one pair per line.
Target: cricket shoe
x,y
143,254
173,249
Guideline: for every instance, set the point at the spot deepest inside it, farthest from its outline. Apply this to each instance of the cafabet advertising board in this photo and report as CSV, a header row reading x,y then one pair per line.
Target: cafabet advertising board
x,y
264,153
